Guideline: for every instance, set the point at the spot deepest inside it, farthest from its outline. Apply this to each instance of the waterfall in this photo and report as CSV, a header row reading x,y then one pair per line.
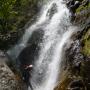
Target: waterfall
x,y
55,23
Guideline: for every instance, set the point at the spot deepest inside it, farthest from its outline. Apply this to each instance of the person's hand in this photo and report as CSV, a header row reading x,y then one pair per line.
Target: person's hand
x,y
30,66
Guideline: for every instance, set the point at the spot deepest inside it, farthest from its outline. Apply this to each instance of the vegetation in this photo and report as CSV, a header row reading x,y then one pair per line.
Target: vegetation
x,y
6,13
83,7
82,17
11,11
86,43
14,14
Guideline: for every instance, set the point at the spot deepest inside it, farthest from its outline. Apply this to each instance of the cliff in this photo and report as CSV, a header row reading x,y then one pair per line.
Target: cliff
x,y
76,69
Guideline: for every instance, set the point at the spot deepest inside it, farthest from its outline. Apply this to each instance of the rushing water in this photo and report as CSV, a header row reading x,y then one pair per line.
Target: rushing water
x,y
54,21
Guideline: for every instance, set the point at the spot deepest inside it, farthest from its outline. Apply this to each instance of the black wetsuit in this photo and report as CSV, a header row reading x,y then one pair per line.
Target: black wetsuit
x,y
26,77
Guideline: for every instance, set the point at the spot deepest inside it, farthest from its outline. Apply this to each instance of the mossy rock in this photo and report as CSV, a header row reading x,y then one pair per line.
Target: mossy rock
x,y
86,43
82,8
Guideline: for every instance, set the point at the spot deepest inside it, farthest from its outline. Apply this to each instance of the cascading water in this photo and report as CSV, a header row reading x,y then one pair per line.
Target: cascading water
x,y
55,23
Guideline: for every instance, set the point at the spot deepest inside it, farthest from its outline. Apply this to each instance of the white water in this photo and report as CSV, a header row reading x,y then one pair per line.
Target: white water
x,y
57,33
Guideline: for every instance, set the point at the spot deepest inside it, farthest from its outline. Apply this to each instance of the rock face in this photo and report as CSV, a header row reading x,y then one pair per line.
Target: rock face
x,y
52,10
30,52
9,80
76,72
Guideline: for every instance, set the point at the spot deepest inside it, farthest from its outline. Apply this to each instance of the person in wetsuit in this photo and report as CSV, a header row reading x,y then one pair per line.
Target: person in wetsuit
x,y
26,74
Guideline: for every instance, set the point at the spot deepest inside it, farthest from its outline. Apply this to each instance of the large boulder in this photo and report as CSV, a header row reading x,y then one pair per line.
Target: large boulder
x,y
29,54
8,79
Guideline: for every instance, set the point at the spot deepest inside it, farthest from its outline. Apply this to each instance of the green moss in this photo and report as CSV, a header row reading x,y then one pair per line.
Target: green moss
x,y
81,8
86,43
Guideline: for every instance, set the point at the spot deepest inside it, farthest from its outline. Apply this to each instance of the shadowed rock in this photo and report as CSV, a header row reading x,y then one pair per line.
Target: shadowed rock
x,y
52,10
30,52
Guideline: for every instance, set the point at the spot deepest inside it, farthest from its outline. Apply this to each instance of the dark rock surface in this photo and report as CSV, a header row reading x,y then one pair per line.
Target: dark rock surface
x,y
76,84
52,10
30,52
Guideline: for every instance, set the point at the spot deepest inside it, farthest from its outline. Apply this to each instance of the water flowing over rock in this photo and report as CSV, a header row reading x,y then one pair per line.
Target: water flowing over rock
x,y
44,45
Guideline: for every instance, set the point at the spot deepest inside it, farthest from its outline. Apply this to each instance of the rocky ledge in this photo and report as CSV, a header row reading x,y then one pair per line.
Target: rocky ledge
x,y
8,79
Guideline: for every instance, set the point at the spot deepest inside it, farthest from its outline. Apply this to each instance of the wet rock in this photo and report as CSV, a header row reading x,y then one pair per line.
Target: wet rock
x,y
2,54
70,2
79,9
82,13
30,52
52,10
76,83
78,67
77,64
8,79
73,5
75,57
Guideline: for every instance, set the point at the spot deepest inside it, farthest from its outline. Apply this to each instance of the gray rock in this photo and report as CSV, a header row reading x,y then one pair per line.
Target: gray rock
x,y
52,10
8,80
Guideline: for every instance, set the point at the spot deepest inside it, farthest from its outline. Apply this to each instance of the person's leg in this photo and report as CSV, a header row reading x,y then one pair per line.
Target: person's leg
x,y
30,85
